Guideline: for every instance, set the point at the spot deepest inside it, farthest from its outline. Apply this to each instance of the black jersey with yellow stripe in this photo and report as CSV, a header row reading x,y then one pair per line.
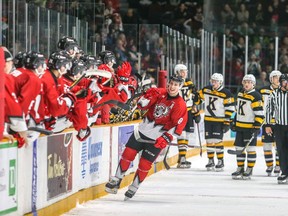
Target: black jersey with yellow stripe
x,y
186,93
249,109
219,104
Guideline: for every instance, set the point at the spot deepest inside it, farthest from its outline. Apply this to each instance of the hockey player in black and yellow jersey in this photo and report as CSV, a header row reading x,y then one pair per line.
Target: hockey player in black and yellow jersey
x,y
219,106
268,139
249,118
187,92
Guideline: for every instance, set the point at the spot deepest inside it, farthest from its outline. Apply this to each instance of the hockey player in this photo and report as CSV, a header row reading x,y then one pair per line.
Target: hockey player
x,y
77,115
13,113
69,45
55,102
268,140
249,118
219,106
277,107
186,93
166,117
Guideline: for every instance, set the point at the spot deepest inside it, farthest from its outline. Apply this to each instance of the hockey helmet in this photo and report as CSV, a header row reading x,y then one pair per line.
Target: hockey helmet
x,y
107,56
19,59
218,77
274,73
249,77
58,59
68,43
33,60
178,79
178,68
78,66
90,61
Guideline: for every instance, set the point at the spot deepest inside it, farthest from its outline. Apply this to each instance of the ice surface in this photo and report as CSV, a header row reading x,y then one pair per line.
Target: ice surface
x,y
196,191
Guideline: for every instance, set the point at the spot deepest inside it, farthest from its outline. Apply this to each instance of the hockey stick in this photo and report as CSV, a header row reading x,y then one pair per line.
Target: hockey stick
x,y
167,167
114,102
240,151
41,130
200,143
176,144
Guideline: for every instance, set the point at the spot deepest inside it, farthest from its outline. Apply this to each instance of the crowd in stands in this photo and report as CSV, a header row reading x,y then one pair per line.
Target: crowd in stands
x,y
116,26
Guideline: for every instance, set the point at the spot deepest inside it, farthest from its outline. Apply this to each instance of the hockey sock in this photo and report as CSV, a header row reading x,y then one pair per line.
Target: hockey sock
x,y
240,158
210,153
220,147
142,171
277,158
127,157
251,158
182,147
267,147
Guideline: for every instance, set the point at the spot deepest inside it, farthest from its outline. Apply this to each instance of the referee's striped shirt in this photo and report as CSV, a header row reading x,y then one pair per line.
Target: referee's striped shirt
x,y
277,107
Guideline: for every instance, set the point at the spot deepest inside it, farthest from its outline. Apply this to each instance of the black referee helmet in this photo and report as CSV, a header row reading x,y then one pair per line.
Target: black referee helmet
x,y
283,77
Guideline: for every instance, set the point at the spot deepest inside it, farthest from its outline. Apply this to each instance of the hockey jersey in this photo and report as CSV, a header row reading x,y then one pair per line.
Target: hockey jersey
x,y
249,108
186,93
219,104
165,113
266,92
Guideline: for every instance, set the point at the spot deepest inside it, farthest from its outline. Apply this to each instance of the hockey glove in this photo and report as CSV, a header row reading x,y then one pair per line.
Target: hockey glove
x,y
70,99
196,114
162,141
150,93
226,125
233,124
256,129
20,140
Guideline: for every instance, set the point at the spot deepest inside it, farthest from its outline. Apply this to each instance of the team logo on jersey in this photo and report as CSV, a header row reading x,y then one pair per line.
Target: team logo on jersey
x,y
161,110
211,106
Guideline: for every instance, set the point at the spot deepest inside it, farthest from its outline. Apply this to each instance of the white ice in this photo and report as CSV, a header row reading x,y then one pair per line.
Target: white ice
x,y
196,191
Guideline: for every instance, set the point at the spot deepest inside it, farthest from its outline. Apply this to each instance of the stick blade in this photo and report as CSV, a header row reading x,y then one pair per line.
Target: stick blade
x,y
234,152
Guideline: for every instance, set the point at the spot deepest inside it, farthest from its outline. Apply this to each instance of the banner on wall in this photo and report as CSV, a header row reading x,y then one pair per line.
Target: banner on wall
x,y
124,134
59,164
92,159
8,170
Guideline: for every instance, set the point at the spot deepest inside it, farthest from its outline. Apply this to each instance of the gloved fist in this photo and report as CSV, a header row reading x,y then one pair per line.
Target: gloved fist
x,y
196,114
20,140
162,141
150,93
256,129
70,98
82,93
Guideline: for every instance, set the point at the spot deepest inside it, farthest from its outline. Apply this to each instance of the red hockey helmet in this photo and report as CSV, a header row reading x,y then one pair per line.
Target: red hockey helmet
x,y
132,84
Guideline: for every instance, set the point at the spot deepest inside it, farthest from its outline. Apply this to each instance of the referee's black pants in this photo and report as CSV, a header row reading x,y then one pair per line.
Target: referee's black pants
x,y
281,138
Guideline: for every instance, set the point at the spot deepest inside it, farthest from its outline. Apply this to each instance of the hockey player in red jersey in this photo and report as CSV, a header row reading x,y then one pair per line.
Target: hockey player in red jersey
x,y
35,66
77,115
166,117
55,102
13,113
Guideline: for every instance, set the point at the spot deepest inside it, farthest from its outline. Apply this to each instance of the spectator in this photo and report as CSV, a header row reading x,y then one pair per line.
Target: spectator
x,y
254,66
242,14
227,15
284,65
262,80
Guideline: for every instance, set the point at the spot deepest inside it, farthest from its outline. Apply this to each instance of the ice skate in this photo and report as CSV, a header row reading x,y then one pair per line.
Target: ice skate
x,y
130,192
113,185
247,174
283,179
183,163
220,165
277,170
210,165
238,173
269,170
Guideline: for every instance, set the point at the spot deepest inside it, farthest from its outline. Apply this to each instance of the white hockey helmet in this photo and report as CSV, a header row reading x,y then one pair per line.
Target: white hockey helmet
x,y
179,67
218,77
249,77
274,73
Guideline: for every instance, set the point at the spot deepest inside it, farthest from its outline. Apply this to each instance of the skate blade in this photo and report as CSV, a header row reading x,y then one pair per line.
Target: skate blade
x,y
210,169
183,167
237,177
246,178
219,169
282,182
111,191
269,174
126,198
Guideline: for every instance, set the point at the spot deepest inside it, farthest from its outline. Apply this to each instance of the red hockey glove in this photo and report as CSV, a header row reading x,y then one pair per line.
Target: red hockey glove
x,y
162,141
20,140
150,93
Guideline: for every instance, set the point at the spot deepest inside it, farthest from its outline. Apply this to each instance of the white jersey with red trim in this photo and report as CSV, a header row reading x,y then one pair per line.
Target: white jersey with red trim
x,y
165,114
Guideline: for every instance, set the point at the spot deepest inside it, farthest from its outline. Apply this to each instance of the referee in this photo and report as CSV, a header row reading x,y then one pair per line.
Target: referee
x,y
277,107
